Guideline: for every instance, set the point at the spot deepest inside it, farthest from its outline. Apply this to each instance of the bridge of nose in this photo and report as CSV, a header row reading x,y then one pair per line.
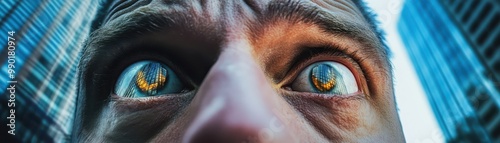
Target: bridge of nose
x,y
235,101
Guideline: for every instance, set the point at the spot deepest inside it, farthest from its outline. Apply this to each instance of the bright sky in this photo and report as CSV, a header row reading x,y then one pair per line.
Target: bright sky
x,y
417,118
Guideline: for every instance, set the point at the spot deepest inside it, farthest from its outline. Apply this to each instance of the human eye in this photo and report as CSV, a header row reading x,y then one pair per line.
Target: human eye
x,y
326,77
148,78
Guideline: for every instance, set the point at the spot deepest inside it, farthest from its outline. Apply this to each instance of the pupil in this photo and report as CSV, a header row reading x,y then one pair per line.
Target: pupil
x,y
150,78
323,77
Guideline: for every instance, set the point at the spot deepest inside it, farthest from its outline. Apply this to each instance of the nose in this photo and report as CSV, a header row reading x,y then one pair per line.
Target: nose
x,y
236,103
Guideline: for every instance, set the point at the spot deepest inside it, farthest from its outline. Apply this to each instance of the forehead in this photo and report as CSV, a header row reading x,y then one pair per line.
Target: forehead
x,y
224,10
236,13
222,19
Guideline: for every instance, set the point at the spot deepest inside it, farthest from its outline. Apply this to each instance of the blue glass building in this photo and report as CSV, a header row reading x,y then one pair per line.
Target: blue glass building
x,y
48,35
454,46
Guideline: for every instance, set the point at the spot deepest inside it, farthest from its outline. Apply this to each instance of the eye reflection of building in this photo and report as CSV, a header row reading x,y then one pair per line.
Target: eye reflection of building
x,y
48,35
455,47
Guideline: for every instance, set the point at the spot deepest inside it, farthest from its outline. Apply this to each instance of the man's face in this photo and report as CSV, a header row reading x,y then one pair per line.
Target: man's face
x,y
236,71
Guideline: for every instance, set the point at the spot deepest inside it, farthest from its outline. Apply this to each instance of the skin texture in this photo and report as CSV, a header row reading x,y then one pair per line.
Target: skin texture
x,y
238,60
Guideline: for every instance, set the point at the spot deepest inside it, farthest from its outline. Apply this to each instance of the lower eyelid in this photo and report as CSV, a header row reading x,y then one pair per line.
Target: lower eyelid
x,y
325,99
326,96
125,104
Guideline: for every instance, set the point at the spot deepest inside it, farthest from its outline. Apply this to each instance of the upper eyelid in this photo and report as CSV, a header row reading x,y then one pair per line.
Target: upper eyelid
x,y
307,53
310,52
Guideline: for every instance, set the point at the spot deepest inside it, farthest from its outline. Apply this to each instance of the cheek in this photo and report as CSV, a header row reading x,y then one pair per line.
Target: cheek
x,y
345,115
370,122
135,120
345,119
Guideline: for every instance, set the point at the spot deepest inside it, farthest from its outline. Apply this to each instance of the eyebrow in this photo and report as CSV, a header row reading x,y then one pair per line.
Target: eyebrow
x,y
136,23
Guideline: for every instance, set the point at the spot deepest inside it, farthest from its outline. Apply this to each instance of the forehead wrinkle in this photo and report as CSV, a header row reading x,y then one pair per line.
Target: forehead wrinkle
x,y
291,10
151,19
345,5
119,7
357,31
294,11
140,21
335,24
211,9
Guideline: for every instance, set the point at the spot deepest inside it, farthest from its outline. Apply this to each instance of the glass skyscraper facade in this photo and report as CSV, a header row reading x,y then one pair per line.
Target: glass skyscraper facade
x,y
454,46
48,35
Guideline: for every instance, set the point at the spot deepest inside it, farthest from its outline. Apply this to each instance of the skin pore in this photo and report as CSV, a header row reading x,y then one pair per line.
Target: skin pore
x,y
238,63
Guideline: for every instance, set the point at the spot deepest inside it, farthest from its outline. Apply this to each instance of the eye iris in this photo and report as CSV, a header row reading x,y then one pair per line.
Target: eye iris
x,y
151,77
323,77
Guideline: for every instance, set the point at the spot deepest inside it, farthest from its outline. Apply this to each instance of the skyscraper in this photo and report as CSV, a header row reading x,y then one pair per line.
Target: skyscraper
x,y
48,35
455,48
